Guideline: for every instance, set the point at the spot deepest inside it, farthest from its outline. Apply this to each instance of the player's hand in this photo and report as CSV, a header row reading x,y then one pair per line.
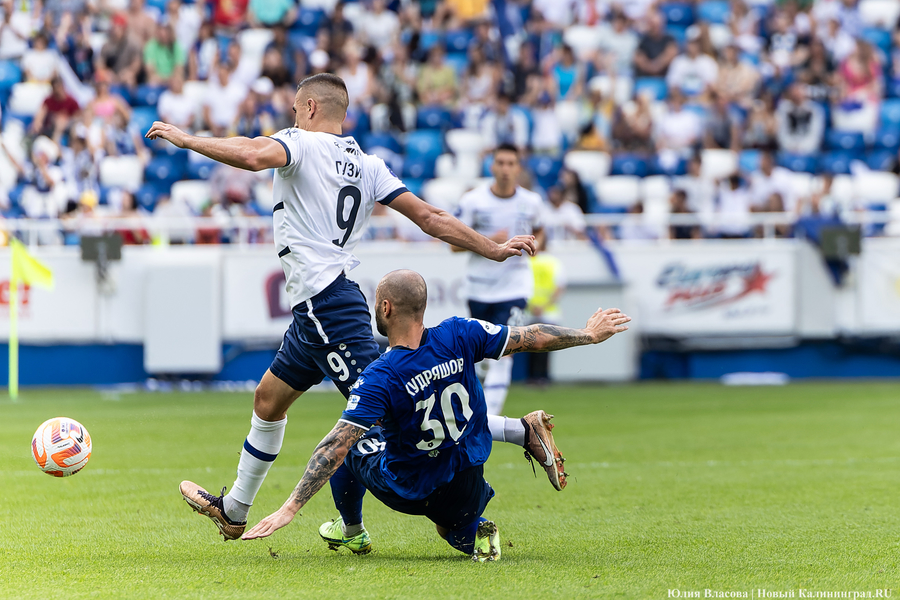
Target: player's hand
x,y
515,247
167,132
269,525
604,324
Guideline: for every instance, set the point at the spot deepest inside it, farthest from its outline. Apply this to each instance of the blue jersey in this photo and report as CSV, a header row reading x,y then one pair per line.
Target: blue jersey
x,y
430,404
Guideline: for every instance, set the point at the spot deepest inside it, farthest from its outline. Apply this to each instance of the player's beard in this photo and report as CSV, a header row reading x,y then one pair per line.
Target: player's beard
x,y
380,325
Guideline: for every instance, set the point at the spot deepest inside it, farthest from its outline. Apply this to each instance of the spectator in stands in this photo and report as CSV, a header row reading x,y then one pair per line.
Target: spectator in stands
x,y
245,68
848,14
275,69
248,123
559,14
692,72
574,191
79,164
39,63
723,125
230,185
130,210
339,28
46,195
620,44
488,40
175,106
105,105
633,125
839,43
141,23
378,25
733,208
679,130
761,126
56,113
817,73
525,69
771,179
120,55
270,119
228,16
223,99
656,49
546,133
396,85
636,227
203,56
437,84
566,75
678,205
737,80
162,56
267,13
358,77
801,123
292,59
185,20
74,45
15,29
596,131
505,124
480,80
859,91
784,46
563,220
700,191
121,138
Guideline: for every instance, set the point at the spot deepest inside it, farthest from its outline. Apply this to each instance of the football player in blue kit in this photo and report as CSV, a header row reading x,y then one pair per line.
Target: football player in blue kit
x,y
427,455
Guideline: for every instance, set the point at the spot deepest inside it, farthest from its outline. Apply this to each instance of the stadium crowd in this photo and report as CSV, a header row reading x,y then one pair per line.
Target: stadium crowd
x,y
718,108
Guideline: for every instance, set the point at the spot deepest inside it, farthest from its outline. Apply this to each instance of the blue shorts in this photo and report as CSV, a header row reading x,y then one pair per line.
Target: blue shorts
x,y
331,335
454,505
509,313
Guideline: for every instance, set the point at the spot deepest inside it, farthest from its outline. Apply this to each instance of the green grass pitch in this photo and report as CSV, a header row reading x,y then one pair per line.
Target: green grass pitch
x,y
673,486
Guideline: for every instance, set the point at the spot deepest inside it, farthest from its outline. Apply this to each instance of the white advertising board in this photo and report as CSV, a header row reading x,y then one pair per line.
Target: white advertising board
x,y
878,289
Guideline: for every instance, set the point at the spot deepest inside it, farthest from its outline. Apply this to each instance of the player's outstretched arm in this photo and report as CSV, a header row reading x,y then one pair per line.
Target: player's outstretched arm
x,y
541,337
253,154
443,226
327,457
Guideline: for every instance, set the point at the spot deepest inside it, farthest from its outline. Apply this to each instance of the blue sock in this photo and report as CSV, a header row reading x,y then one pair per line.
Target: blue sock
x,y
348,495
464,539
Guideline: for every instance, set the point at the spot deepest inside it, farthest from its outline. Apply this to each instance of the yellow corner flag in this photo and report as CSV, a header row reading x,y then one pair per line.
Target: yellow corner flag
x,y
28,270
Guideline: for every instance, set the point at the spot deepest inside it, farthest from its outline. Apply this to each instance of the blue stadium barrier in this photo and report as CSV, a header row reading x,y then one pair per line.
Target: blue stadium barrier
x,y
459,40
655,85
881,160
546,170
847,141
887,138
890,112
879,38
748,160
308,21
418,167
433,117
713,11
835,163
797,162
380,140
165,169
147,95
678,13
629,164
429,142
142,118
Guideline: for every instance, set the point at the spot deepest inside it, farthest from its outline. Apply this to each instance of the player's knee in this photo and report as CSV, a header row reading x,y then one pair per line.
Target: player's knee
x,y
265,404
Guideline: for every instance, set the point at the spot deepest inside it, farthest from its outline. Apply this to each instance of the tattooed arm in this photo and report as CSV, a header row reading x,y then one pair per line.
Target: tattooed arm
x,y
602,325
326,458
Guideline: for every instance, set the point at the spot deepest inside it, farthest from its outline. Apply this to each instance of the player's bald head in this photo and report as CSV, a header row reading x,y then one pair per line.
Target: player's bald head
x,y
405,290
330,93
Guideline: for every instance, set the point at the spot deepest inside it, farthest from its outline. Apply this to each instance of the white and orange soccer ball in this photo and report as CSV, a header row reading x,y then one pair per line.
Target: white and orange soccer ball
x,y
61,446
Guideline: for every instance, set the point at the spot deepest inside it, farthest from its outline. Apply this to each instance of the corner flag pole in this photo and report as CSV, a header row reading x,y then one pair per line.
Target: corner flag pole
x,y
13,328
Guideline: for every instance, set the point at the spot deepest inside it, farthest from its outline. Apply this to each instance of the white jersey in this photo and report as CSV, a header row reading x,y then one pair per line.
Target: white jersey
x,y
324,197
521,214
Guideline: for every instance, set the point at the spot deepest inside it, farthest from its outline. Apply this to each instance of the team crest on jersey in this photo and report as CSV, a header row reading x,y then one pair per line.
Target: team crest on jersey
x,y
489,327
352,401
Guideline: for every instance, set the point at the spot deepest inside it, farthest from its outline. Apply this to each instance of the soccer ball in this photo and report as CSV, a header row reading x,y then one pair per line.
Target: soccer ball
x,y
61,446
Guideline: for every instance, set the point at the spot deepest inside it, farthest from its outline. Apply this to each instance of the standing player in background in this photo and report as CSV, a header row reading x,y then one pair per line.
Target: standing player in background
x,y
325,189
499,293
428,457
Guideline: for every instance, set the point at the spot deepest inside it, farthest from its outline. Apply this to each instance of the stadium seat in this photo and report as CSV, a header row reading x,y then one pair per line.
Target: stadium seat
x,y
147,95
875,187
893,226
835,162
434,117
621,91
659,166
461,141
27,97
713,11
443,192
879,38
200,169
424,143
797,162
308,21
842,191
879,13
881,160
748,160
802,184
847,141
717,164
165,169
618,191
419,166
583,39
890,112
655,187
445,166
429,39
380,140
486,165
194,193
655,86
142,118
148,194
414,185
678,13
458,40
590,166
887,138
629,164
254,41
720,36
546,170
10,74
679,34
125,172
458,61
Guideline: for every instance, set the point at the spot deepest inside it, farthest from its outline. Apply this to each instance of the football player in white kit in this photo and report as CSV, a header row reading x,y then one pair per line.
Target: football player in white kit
x,y
325,189
498,293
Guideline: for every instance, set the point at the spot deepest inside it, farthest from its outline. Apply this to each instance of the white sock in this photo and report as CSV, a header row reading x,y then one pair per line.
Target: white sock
x,y
352,530
496,384
504,429
260,449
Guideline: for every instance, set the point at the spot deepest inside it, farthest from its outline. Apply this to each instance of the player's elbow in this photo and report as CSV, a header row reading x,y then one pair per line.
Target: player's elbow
x,y
432,222
252,160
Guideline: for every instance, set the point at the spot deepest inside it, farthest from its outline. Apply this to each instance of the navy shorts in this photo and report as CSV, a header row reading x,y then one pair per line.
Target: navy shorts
x,y
331,335
509,313
454,505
